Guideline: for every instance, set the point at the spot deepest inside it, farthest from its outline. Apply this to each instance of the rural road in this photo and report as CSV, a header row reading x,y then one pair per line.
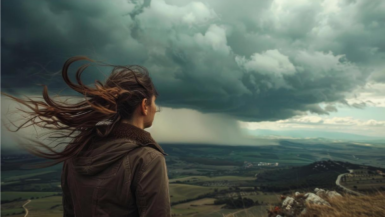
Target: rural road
x,y
338,183
26,210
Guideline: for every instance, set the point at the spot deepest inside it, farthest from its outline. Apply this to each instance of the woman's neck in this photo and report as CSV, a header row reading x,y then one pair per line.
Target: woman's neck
x,y
136,123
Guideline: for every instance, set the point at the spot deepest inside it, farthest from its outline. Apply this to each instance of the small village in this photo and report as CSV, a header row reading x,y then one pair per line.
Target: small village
x,y
247,164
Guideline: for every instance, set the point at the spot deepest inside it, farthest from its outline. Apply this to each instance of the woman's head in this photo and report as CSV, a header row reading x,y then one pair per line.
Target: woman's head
x,y
136,102
127,95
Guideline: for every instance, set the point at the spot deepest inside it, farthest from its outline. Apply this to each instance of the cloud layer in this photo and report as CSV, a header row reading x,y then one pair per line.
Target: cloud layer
x,y
255,61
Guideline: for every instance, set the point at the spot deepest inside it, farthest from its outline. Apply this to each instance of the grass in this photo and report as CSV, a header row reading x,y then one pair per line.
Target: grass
x,y
366,186
10,177
204,208
196,206
254,211
358,206
364,183
269,198
348,205
181,192
11,195
208,179
50,206
43,207
9,183
14,207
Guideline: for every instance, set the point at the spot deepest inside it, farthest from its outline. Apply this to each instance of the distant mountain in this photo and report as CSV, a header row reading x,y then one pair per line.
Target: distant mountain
x,y
313,134
11,151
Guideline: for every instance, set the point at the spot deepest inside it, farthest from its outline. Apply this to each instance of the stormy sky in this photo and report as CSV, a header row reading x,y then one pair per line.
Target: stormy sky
x,y
223,68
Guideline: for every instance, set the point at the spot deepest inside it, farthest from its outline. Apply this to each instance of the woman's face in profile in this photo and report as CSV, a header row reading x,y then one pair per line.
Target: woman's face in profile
x,y
151,112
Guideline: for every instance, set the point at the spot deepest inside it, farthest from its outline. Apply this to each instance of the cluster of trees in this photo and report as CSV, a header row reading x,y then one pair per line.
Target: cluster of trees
x,y
9,201
207,195
210,161
15,213
298,178
32,198
28,186
231,203
217,193
175,176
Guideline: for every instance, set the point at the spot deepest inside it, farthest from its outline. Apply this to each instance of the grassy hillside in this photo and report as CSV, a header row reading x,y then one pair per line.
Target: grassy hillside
x,y
321,174
358,206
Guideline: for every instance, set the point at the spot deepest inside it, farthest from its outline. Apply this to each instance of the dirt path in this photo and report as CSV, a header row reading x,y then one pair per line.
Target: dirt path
x,y
338,182
25,208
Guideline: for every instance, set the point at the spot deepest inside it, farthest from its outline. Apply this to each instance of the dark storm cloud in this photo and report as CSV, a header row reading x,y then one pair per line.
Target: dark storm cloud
x,y
259,60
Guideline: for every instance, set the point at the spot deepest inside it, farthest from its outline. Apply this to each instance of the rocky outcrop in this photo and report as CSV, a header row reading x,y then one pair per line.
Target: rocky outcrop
x,y
330,194
315,199
296,205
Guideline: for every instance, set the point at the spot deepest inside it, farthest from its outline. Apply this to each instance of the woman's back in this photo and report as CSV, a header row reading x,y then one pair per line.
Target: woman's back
x,y
117,170
123,175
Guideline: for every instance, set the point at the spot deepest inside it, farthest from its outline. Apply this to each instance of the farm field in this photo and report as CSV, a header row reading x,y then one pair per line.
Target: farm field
x,y
46,207
202,208
199,175
368,184
11,195
366,187
196,206
11,208
364,182
18,177
179,192
262,197
208,179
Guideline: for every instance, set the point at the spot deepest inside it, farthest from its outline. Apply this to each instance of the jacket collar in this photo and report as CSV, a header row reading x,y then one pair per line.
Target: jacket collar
x,y
129,131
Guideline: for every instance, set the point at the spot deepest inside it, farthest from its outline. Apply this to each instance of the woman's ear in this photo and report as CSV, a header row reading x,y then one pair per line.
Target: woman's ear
x,y
144,106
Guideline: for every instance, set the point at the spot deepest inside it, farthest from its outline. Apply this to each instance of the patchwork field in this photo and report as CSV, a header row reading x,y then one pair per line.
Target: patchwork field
x,y
12,195
211,179
196,206
46,207
12,208
202,175
179,192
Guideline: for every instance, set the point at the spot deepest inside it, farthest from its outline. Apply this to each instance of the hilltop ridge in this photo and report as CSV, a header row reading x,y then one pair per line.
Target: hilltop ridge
x,y
321,174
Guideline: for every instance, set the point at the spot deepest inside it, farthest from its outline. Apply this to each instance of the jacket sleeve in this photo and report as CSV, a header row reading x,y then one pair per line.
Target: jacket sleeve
x,y
68,210
152,192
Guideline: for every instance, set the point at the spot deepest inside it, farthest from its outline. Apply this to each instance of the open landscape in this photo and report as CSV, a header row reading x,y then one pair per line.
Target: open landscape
x,y
256,104
217,180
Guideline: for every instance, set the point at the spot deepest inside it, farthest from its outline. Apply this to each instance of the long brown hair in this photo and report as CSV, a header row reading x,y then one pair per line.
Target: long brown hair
x,y
113,101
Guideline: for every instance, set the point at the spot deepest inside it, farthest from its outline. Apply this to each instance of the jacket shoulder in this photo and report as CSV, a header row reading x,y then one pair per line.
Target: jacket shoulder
x,y
148,154
142,156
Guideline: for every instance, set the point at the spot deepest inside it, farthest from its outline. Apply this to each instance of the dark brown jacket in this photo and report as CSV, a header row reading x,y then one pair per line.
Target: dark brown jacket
x,y
122,175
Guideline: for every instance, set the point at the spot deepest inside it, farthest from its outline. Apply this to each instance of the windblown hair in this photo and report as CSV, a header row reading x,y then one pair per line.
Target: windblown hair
x,y
113,101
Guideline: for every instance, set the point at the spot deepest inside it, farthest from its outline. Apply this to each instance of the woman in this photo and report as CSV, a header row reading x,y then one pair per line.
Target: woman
x,y
112,166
